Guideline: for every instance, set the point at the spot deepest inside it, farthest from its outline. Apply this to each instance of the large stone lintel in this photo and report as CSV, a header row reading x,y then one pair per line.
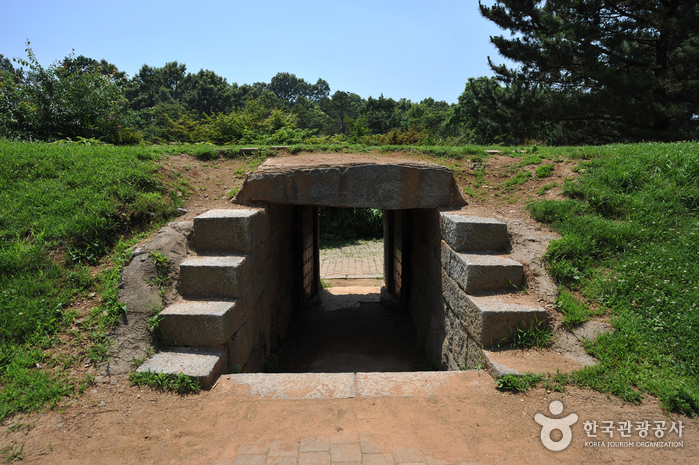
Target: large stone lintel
x,y
351,181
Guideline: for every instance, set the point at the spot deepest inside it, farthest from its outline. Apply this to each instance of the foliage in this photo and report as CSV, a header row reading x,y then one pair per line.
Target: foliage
x,y
600,70
574,311
397,136
544,171
253,124
628,244
537,335
65,101
168,104
351,223
180,383
516,383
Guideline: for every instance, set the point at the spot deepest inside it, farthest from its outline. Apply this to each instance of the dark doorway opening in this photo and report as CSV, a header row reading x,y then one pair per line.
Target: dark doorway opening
x,y
346,326
354,336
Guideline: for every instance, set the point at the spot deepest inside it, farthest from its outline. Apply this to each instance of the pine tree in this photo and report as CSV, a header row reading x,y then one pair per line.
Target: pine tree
x,y
604,69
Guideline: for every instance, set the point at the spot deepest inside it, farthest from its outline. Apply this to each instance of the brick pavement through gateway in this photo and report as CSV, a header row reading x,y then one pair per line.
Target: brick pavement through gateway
x,y
343,448
359,260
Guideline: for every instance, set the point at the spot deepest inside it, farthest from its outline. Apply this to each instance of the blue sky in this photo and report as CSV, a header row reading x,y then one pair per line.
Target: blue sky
x,y
401,49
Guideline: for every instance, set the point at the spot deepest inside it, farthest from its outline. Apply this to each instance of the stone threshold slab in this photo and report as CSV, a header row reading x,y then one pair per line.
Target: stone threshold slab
x,y
351,385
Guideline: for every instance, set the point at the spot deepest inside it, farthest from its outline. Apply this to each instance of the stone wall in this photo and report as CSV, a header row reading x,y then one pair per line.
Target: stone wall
x,y
437,300
268,301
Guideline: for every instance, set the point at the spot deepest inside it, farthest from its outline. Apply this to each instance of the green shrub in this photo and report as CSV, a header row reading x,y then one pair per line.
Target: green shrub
x,y
544,171
59,102
351,223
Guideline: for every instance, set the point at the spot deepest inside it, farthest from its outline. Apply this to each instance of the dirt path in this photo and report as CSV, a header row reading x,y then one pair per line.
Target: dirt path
x,y
472,422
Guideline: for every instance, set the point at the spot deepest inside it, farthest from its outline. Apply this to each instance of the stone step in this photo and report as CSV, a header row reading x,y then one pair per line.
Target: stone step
x,y
474,234
350,385
492,318
228,231
214,277
519,361
204,364
199,323
482,272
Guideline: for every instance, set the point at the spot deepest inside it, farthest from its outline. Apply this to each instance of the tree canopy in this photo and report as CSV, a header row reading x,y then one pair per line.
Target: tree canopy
x,y
603,69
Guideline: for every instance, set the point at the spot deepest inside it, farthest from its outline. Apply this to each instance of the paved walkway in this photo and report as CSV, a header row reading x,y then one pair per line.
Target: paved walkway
x,y
345,448
362,260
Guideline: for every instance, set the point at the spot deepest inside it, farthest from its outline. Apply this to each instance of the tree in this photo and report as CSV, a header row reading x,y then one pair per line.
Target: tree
x,y
13,114
310,115
339,107
206,93
83,64
67,102
151,86
379,113
289,88
430,114
603,69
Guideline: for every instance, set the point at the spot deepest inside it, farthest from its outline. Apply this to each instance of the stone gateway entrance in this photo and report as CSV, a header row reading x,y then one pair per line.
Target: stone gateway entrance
x,y
251,267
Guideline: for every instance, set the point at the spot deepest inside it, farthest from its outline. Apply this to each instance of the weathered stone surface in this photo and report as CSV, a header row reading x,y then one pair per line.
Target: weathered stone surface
x,y
490,319
345,453
239,349
131,337
482,272
203,364
453,295
320,444
199,323
473,234
497,370
214,277
297,385
408,384
229,231
351,181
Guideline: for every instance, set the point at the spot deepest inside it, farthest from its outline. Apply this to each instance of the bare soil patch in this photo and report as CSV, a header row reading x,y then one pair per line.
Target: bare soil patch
x,y
122,424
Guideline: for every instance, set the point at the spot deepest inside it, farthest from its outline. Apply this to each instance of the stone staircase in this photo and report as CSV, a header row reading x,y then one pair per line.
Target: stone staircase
x,y
200,328
213,326
481,284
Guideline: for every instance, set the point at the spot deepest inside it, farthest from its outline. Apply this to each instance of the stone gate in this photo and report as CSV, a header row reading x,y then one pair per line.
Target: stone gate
x,y
251,267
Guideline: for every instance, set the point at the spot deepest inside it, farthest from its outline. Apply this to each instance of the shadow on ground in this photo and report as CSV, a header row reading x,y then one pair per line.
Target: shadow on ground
x,y
350,331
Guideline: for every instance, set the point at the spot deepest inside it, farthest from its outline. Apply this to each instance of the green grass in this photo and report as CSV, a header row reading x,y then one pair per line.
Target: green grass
x,y
517,180
546,187
628,243
544,171
515,383
574,311
12,453
538,335
180,383
63,208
